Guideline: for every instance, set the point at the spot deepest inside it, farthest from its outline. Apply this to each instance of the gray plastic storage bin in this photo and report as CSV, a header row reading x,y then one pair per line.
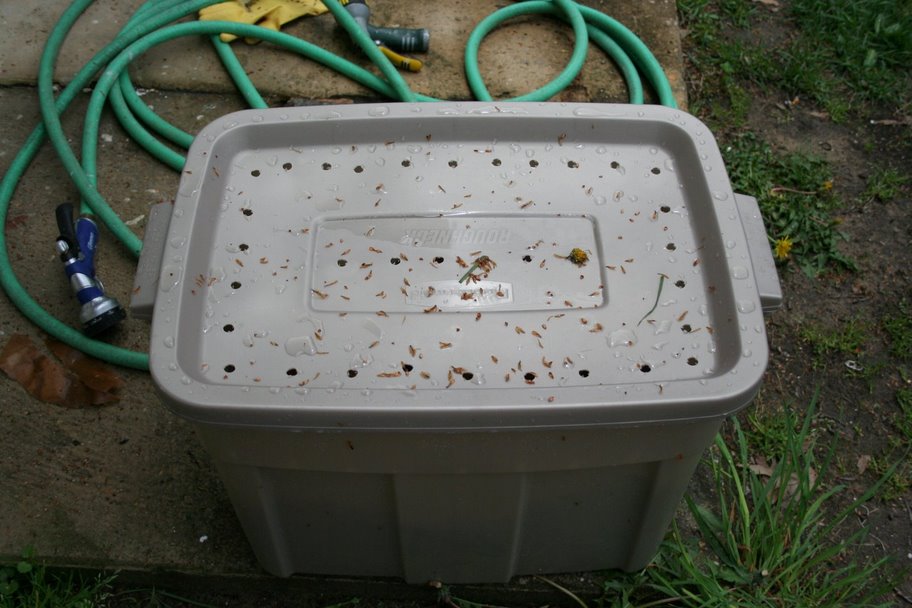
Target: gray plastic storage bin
x,y
380,398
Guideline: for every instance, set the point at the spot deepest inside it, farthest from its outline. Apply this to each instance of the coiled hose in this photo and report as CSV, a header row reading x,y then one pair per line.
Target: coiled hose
x,y
151,25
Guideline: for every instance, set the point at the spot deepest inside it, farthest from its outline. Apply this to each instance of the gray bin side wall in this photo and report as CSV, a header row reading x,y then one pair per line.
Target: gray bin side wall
x,y
457,507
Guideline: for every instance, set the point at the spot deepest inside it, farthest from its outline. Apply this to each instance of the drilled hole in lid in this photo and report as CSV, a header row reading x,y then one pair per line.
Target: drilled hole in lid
x,y
671,246
327,166
453,163
527,258
228,328
352,373
255,173
438,259
235,285
341,262
530,376
533,163
395,261
407,367
692,361
645,368
686,328
615,164
406,163
496,162
680,283
291,372
468,375
584,373
247,212
229,368
573,164
243,246
656,170
359,169
287,166
664,208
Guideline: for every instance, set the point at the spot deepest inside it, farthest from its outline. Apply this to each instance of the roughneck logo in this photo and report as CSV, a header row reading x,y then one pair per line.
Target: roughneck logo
x,y
467,236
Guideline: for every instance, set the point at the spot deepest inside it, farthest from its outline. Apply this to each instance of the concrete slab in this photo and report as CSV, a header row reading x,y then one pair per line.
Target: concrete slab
x,y
516,59
128,486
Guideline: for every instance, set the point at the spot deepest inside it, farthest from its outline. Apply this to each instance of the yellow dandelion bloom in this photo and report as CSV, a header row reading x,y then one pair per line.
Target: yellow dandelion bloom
x,y
828,185
782,248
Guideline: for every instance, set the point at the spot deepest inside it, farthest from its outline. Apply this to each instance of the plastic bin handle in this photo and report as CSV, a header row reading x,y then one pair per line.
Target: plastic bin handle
x,y
145,283
760,253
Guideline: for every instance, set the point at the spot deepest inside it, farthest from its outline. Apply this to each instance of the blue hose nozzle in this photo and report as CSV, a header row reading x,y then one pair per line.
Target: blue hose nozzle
x,y
76,246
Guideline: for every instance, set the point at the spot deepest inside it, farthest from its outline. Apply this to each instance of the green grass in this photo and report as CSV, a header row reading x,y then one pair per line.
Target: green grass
x,y
845,55
884,185
899,329
846,340
26,584
795,193
775,536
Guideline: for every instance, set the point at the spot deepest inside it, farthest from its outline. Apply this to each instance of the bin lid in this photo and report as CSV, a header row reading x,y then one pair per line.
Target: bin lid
x,y
456,266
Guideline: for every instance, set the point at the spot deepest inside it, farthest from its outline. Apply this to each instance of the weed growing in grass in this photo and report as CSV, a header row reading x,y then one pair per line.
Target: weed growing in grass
x,y
795,195
863,49
845,54
28,585
769,540
774,538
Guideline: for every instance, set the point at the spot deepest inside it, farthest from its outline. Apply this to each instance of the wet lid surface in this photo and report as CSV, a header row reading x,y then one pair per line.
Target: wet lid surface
x,y
456,266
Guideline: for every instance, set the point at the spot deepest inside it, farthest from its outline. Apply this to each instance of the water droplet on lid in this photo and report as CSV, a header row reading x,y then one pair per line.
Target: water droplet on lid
x,y
720,196
601,200
172,367
280,289
622,337
275,390
730,244
739,272
300,345
653,150
257,118
378,111
170,278
746,353
186,381
662,327
302,390
746,306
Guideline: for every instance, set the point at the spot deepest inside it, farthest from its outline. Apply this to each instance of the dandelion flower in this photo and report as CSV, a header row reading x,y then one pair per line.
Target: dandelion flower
x,y
782,248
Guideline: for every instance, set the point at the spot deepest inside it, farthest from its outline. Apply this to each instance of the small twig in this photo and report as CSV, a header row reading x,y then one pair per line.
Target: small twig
x,y
658,295
779,189
905,597
564,590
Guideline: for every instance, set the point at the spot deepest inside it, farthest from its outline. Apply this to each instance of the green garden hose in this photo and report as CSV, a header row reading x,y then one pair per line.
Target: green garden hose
x,y
150,26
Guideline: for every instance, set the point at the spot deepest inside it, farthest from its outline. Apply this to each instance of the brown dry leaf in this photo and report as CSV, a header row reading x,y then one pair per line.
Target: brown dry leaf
x,y
760,467
79,382
863,462
772,4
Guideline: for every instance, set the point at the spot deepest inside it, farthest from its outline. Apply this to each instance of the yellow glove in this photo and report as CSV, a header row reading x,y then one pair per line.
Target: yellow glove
x,y
272,14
